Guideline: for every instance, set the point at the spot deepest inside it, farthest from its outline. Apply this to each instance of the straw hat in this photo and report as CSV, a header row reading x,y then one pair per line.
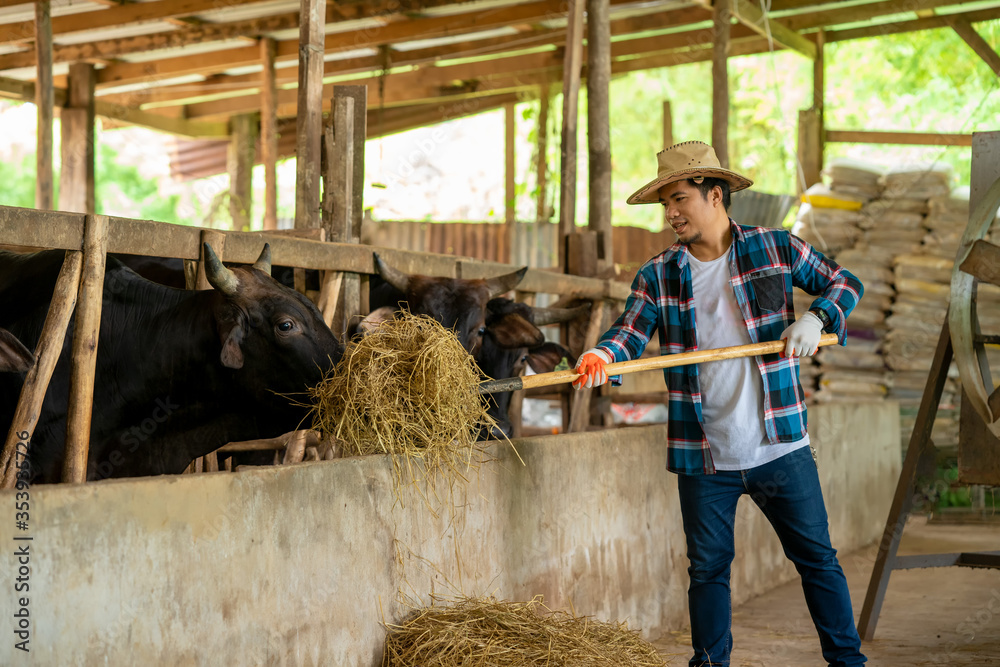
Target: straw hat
x,y
690,159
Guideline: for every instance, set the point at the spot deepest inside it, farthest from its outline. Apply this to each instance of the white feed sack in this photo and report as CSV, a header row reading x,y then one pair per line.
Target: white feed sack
x,y
917,181
855,177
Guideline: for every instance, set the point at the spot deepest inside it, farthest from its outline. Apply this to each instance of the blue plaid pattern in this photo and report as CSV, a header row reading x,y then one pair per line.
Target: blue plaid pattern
x,y
765,264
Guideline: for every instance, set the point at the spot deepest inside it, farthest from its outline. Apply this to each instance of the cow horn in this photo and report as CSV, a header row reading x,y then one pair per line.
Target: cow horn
x,y
506,282
543,316
391,275
218,275
263,262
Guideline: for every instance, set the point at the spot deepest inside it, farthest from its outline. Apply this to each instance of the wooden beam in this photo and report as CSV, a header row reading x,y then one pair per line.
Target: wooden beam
x,y
44,101
393,32
905,138
541,159
310,117
752,17
599,129
983,262
915,25
975,41
342,228
59,230
720,80
76,177
155,121
242,147
572,65
826,18
269,132
220,85
124,14
110,49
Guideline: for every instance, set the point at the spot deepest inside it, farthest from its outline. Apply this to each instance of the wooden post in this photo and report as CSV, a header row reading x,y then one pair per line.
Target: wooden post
x,y
47,352
668,125
209,462
341,228
809,150
579,418
510,187
581,261
269,131
542,162
76,178
44,191
599,129
83,362
819,84
572,62
242,148
309,114
218,242
720,80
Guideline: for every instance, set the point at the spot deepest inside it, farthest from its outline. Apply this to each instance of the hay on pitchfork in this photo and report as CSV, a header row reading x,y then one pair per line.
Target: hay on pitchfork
x,y
486,631
408,388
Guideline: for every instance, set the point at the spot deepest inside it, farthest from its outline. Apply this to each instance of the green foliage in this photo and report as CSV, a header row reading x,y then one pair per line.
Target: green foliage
x,y
122,190
17,182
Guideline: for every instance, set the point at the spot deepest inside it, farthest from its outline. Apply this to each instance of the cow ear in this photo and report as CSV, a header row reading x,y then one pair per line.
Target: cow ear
x,y
232,355
545,357
515,331
14,357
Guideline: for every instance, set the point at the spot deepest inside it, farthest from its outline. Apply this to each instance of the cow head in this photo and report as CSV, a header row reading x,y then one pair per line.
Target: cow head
x,y
514,343
458,304
14,356
272,336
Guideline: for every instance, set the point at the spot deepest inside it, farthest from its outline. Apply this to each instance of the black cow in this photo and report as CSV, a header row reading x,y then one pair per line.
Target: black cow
x,y
514,342
457,303
179,373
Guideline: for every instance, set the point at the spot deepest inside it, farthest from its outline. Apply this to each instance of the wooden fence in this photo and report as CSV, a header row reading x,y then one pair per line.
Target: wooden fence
x,y
89,238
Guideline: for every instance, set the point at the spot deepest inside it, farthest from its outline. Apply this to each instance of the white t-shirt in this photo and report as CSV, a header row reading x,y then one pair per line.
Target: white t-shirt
x,y
732,394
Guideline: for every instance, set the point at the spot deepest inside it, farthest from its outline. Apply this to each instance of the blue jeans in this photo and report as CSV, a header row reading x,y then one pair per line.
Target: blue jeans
x,y
787,491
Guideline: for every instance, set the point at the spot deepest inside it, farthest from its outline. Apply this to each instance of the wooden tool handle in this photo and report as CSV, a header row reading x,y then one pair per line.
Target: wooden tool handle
x,y
635,365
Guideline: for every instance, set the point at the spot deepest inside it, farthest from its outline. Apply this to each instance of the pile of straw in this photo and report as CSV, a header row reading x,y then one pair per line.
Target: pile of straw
x,y
407,388
485,631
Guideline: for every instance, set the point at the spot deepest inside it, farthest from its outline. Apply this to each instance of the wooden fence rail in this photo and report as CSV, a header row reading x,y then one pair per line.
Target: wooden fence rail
x,y
64,231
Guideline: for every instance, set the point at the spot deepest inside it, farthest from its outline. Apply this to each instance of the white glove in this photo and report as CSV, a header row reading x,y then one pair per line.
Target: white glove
x,y
591,368
803,336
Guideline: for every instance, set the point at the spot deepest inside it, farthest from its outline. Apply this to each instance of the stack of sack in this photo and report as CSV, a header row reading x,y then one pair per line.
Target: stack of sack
x,y
898,230
837,221
858,371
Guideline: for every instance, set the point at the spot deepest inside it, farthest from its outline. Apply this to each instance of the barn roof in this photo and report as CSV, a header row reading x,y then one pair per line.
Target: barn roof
x,y
187,66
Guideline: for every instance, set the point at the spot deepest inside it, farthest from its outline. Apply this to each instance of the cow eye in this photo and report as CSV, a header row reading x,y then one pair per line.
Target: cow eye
x,y
285,326
482,331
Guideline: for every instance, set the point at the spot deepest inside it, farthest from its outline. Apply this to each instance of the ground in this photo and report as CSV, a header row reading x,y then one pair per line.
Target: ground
x,y
941,616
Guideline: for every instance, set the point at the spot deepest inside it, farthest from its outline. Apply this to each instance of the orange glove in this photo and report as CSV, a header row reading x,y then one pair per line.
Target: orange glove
x,y
591,369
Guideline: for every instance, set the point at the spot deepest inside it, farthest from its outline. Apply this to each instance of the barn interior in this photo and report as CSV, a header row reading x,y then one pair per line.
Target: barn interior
x,y
312,560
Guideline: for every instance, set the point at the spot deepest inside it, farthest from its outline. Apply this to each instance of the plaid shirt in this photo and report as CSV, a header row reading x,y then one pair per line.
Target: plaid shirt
x,y
764,264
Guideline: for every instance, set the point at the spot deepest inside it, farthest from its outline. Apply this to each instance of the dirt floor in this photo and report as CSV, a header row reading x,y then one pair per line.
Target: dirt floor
x,y
941,616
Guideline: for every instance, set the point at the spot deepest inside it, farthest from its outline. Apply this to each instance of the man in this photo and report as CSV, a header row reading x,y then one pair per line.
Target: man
x,y
737,426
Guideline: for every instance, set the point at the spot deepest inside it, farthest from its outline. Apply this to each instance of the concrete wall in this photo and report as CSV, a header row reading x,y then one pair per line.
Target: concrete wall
x,y
300,565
